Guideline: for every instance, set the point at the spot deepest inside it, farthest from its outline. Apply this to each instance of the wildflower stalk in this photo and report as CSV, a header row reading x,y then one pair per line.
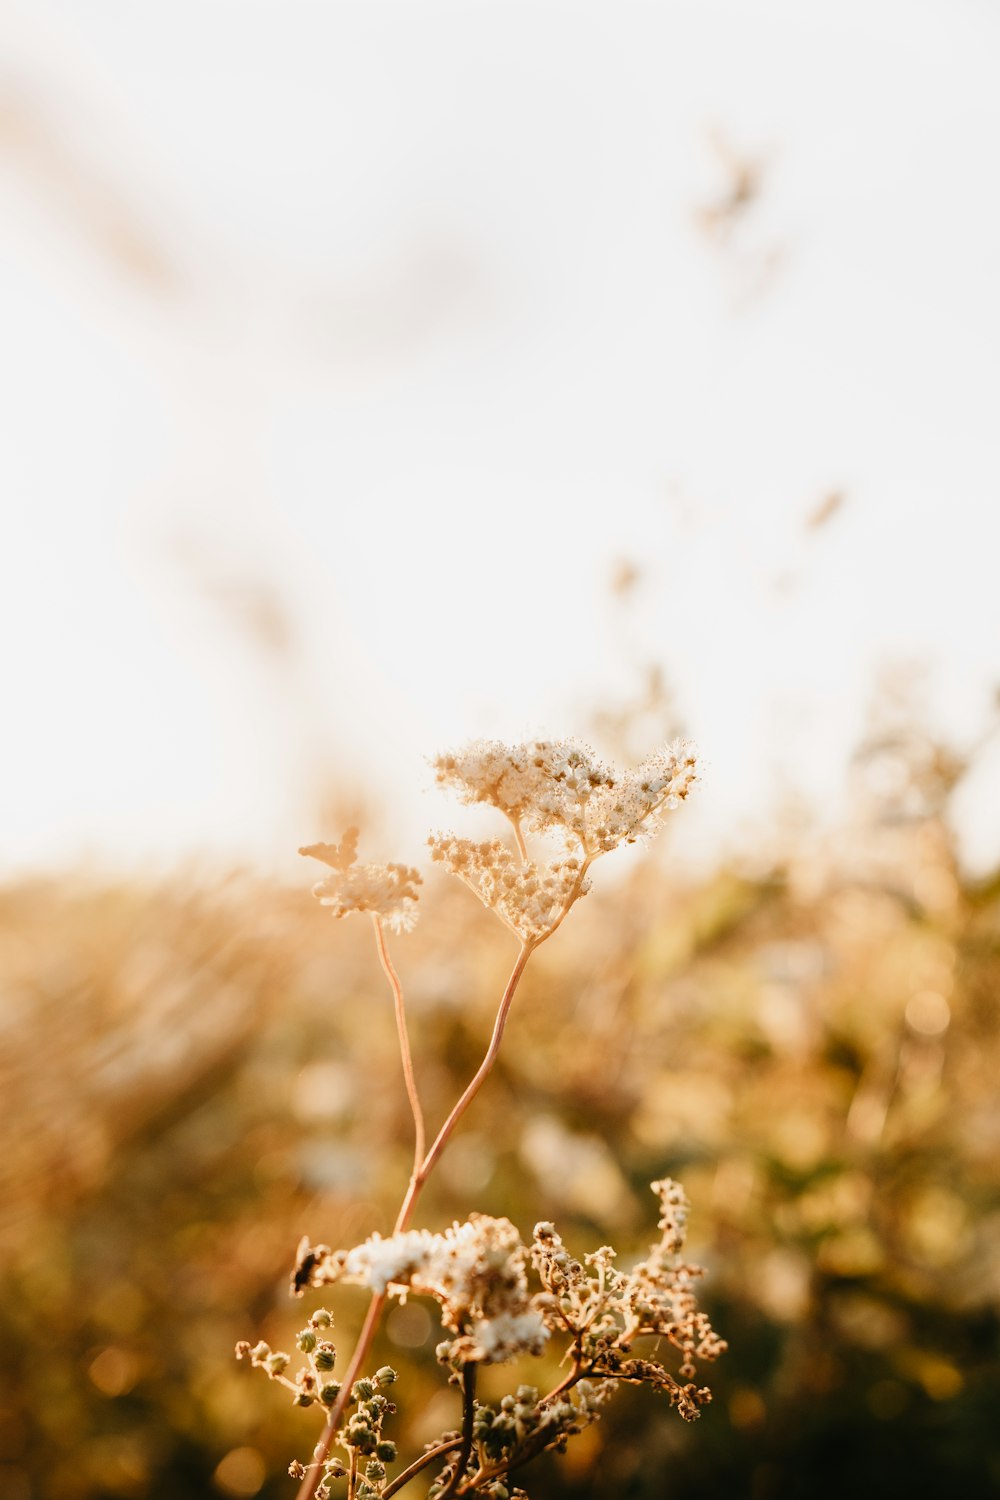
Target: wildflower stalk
x,y
556,787
480,1077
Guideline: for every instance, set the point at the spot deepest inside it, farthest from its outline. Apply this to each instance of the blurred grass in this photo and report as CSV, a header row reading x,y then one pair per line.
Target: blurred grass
x,y
193,1079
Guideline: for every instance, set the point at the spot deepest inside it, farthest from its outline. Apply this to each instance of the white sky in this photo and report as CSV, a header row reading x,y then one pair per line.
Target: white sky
x,y
422,332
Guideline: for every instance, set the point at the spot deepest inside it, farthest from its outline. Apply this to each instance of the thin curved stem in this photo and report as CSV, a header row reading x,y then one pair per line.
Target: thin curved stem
x,y
481,1075
404,1041
418,1464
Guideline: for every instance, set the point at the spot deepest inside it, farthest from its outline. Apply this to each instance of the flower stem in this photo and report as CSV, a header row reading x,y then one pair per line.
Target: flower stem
x,y
482,1073
418,1464
404,1041
468,1417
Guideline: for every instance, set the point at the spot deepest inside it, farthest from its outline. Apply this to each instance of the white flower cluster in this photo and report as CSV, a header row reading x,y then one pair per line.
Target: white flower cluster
x,y
387,891
476,1272
518,778
529,897
559,786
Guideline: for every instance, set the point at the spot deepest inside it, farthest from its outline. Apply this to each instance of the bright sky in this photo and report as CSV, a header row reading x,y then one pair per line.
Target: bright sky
x,y
405,313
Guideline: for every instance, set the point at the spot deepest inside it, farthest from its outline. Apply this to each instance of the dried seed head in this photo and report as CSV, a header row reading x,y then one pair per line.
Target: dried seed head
x,y
386,891
559,786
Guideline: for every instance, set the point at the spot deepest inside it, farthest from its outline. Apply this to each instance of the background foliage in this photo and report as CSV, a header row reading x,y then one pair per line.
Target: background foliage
x,y
195,1078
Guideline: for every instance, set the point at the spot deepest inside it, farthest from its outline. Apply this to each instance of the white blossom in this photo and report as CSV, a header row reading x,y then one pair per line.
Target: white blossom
x,y
386,891
560,786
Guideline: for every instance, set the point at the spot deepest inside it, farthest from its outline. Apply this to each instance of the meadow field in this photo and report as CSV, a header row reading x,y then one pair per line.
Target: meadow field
x,y
196,1076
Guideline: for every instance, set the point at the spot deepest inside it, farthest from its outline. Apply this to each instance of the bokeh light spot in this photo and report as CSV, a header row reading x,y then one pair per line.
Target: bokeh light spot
x,y
241,1472
113,1371
409,1326
928,1013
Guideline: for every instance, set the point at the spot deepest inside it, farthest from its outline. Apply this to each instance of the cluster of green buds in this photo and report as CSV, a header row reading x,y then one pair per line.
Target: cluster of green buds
x,y
360,1437
312,1381
315,1379
522,1424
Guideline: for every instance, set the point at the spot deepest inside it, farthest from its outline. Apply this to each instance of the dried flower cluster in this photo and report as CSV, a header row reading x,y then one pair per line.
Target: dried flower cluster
x,y
387,891
478,1271
560,787
606,1310
529,898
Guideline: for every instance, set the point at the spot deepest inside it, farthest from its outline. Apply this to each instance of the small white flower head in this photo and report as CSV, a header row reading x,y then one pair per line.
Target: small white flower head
x,y
534,782
505,1336
475,1271
560,787
528,898
387,891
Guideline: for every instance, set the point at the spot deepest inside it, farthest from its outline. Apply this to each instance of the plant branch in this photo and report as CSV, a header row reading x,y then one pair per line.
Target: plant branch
x,y
481,1075
419,1144
418,1464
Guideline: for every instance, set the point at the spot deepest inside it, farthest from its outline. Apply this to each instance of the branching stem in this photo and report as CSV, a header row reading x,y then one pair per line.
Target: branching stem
x,y
480,1077
314,1473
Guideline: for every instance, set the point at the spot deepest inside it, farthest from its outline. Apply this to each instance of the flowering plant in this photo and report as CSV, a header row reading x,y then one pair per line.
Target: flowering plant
x,y
478,1270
